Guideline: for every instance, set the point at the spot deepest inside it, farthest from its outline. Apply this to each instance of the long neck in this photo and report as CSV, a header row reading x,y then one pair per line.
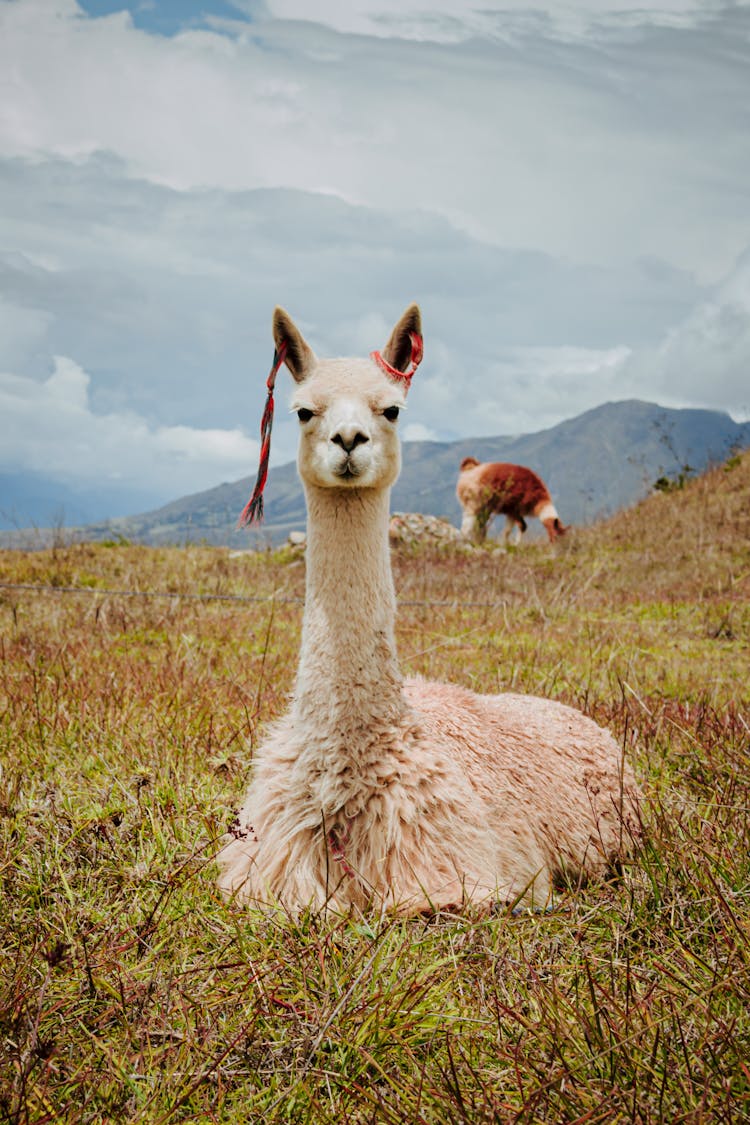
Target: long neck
x,y
348,673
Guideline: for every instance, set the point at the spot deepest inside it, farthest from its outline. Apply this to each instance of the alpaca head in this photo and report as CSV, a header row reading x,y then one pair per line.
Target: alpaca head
x,y
348,408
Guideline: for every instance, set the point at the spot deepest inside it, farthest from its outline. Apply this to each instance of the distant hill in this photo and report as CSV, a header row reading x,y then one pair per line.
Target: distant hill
x,y
594,464
41,500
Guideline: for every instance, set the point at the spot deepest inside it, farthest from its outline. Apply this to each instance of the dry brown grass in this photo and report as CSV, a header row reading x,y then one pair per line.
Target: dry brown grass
x,y
130,992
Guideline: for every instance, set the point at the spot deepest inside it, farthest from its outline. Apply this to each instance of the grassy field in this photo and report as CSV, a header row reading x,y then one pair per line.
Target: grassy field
x,y
134,684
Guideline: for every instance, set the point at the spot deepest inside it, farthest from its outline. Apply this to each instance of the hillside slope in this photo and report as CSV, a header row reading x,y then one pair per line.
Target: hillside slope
x,y
688,546
691,543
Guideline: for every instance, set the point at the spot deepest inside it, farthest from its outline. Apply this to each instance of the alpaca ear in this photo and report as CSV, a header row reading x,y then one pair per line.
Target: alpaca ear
x,y
399,351
468,463
298,356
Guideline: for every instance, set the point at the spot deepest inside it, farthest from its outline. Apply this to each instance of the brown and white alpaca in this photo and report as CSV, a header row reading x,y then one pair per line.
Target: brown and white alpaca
x,y
497,488
375,791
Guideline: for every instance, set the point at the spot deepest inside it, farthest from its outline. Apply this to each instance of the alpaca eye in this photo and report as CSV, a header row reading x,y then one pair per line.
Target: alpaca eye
x,y
304,414
391,413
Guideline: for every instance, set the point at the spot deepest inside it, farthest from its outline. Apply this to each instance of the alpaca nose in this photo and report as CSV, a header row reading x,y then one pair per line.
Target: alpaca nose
x,y
348,437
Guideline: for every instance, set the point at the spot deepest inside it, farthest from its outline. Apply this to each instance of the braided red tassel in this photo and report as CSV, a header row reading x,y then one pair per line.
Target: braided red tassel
x,y
253,510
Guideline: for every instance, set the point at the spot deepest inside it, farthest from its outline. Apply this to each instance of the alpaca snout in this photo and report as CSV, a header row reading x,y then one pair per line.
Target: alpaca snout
x,y
346,447
349,437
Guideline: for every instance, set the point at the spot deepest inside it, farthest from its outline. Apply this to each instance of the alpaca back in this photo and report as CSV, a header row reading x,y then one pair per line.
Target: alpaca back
x,y
538,770
500,488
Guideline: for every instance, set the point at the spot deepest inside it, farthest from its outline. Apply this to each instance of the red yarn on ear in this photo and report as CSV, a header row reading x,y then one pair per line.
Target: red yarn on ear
x,y
253,510
417,351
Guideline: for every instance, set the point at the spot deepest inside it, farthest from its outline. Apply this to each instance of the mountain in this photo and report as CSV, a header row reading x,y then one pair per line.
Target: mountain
x,y
43,501
593,464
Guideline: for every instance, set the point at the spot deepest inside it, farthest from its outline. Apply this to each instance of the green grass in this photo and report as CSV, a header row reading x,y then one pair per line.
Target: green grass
x,y
130,992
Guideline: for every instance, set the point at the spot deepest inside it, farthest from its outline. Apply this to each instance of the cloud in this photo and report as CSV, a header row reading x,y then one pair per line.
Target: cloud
x,y
701,359
417,431
706,356
49,428
589,148
521,390
447,21
22,331
165,299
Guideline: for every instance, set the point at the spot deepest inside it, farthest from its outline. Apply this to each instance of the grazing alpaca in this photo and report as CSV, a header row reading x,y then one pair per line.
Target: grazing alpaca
x,y
496,488
375,791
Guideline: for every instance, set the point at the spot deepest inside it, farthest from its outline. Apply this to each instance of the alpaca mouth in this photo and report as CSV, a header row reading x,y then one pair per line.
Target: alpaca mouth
x,y
347,471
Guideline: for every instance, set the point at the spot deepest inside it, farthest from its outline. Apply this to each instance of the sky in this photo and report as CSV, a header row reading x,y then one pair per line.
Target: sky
x,y
563,186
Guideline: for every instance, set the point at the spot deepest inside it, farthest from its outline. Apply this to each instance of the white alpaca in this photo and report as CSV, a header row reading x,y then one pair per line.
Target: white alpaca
x,y
373,790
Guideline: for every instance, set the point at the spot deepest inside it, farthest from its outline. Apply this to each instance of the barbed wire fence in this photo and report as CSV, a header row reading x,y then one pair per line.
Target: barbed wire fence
x,y
256,599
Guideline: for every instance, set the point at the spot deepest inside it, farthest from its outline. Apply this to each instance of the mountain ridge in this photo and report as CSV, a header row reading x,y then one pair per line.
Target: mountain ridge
x,y
594,463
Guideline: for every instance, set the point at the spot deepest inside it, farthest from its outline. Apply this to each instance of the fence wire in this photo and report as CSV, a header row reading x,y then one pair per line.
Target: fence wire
x,y
255,599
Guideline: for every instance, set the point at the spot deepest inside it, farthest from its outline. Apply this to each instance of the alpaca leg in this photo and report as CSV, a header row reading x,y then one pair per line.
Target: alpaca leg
x,y
474,526
469,528
237,868
296,876
520,528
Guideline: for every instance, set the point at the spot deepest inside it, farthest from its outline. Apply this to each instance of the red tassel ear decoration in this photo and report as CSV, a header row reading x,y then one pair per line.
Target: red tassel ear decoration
x,y
417,351
253,510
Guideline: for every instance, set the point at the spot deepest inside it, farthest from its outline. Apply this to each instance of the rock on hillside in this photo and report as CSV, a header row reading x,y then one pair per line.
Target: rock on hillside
x,y
406,529
409,528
